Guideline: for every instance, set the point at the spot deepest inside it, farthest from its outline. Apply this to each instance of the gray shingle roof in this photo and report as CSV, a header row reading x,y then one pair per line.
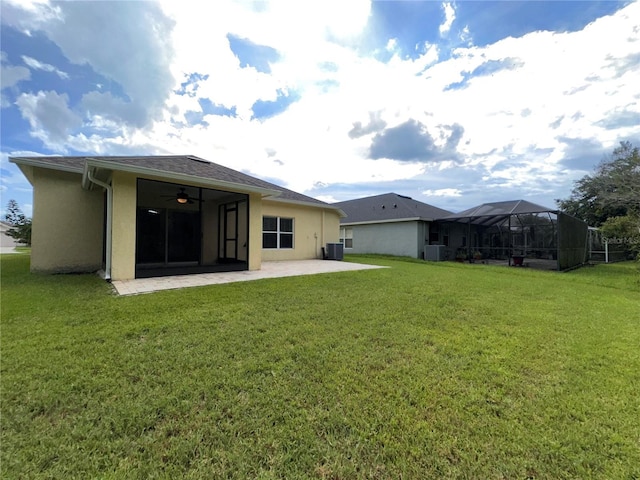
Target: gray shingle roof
x,y
176,164
388,207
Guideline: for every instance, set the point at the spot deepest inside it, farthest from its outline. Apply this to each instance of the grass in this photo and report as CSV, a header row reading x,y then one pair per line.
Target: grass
x,y
417,371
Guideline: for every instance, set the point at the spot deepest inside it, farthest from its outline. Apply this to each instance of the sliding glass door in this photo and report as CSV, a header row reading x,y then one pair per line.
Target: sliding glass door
x,y
183,236
167,236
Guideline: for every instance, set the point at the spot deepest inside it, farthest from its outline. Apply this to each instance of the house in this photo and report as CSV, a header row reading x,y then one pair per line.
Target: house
x,y
509,231
7,242
144,216
390,224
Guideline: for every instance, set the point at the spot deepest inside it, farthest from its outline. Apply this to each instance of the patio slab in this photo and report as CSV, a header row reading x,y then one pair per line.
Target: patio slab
x,y
268,270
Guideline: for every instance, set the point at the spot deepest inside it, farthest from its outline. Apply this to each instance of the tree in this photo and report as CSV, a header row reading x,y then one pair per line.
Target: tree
x,y
610,197
625,231
20,225
612,191
618,180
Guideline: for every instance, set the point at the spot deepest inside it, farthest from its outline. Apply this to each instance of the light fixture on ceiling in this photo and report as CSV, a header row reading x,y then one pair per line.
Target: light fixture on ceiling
x,y
182,197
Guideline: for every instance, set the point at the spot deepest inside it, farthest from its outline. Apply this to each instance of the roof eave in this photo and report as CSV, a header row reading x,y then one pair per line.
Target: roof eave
x,y
34,162
181,177
326,206
391,220
111,165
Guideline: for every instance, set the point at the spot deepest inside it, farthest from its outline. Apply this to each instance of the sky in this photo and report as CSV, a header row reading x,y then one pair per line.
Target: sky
x,y
452,103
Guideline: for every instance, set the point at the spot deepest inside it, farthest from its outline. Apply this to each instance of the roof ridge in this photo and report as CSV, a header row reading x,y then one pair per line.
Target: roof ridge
x,y
515,207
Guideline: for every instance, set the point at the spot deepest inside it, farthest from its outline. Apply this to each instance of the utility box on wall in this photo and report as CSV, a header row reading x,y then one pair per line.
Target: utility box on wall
x,y
434,253
335,251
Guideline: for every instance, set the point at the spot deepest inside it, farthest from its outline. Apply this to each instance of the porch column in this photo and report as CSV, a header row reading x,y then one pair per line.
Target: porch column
x,y
123,262
255,231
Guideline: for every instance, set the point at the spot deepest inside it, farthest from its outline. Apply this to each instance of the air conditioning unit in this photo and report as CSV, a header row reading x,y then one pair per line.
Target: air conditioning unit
x,y
434,253
335,251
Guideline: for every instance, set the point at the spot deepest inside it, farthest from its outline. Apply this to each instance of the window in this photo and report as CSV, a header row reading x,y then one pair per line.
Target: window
x,y
445,236
346,237
277,232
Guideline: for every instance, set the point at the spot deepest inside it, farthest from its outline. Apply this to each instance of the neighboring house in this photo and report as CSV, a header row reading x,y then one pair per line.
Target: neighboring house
x,y
142,216
390,224
7,241
509,231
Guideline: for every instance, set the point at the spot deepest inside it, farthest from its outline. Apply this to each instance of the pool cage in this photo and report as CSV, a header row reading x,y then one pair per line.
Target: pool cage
x,y
518,233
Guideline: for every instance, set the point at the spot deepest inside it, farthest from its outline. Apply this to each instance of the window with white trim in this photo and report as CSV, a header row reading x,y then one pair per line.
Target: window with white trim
x,y
346,237
277,232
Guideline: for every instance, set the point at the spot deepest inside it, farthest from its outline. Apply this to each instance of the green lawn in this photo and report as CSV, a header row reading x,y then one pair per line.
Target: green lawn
x,y
416,371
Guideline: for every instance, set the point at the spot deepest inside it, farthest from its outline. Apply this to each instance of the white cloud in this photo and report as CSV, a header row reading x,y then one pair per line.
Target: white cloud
x,y
28,5
327,198
449,18
392,44
10,75
13,183
49,115
127,42
515,100
443,192
314,131
37,65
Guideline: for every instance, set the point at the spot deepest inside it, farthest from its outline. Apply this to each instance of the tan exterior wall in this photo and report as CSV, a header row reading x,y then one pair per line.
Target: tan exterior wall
x,y
313,228
67,223
255,231
123,266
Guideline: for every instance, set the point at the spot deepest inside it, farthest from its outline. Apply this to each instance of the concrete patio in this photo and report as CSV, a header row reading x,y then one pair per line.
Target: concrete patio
x,y
268,270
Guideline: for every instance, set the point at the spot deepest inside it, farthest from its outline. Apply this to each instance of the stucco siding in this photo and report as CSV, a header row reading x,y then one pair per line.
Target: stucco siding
x,y
313,229
67,223
124,226
255,232
404,239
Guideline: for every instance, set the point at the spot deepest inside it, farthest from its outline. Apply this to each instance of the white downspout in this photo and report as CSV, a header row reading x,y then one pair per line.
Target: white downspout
x,y
109,189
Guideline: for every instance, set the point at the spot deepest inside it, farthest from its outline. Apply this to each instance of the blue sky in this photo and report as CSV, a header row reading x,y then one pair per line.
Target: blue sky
x,y
451,103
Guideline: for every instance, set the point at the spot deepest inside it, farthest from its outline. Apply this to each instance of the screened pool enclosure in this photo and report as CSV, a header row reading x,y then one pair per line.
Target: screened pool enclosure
x,y
519,233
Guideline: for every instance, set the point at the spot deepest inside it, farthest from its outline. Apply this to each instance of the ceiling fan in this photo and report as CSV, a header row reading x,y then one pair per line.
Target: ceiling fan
x,y
183,197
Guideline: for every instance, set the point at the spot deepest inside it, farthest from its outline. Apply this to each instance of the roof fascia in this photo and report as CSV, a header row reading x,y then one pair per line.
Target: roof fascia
x,y
92,162
395,220
33,162
182,177
308,204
